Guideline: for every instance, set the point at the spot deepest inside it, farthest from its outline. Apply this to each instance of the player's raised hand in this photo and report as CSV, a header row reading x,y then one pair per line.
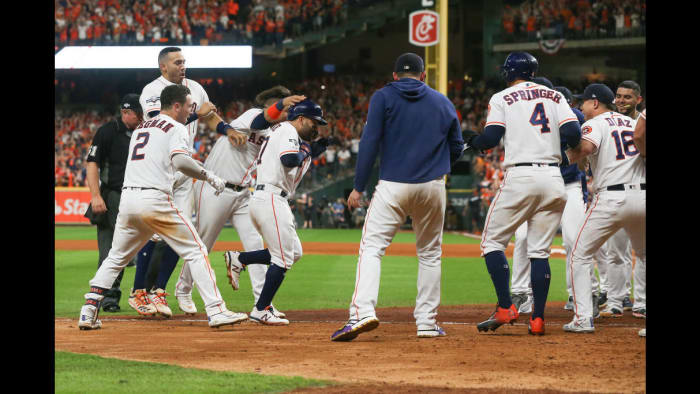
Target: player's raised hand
x,y
98,205
292,100
206,108
354,199
236,138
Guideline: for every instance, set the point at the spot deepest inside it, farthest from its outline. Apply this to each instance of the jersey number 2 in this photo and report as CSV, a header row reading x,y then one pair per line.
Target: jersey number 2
x,y
138,156
539,118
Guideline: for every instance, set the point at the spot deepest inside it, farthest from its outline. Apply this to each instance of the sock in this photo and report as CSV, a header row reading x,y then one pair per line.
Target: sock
x,y
167,266
142,262
255,257
497,264
273,280
540,276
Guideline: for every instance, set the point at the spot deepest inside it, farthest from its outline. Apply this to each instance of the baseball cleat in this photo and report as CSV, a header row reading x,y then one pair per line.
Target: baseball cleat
x,y
596,308
642,332
610,312
88,313
640,313
226,317
140,302
186,304
536,326
498,318
627,304
353,328
569,304
523,302
267,316
233,268
157,298
434,332
603,300
580,325
277,312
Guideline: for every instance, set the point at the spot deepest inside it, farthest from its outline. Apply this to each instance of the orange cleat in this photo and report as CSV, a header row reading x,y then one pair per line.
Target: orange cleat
x,y
500,317
536,326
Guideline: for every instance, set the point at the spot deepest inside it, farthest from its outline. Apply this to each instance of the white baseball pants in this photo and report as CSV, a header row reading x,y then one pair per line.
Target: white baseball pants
x,y
609,212
617,268
571,219
391,203
531,194
212,213
274,220
182,196
144,212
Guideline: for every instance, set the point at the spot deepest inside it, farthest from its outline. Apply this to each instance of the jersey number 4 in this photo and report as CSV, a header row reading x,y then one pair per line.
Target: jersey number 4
x,y
134,154
624,143
539,118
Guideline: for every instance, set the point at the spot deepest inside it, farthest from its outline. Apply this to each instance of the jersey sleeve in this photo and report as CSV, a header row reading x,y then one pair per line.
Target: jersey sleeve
x,y
179,141
496,115
289,142
242,123
564,113
592,132
149,100
99,147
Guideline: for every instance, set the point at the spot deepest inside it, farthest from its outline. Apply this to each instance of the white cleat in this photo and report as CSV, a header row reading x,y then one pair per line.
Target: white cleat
x,y
140,302
233,268
277,312
267,316
580,325
642,332
157,298
226,317
88,313
186,304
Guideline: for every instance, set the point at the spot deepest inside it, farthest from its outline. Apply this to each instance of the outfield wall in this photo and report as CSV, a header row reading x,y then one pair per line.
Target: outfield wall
x,y
70,204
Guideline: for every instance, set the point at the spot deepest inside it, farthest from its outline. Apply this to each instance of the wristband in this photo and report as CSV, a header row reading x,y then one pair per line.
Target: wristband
x,y
222,127
275,110
193,116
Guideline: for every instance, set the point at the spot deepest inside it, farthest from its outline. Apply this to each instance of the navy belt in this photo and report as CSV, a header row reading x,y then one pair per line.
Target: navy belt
x,y
621,186
237,188
536,164
262,187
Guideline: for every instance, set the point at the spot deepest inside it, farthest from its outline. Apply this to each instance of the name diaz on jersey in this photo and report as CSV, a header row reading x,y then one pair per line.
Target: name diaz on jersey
x,y
532,94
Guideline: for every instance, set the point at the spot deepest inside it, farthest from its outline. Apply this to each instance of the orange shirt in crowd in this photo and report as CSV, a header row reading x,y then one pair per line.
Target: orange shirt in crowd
x,y
509,26
531,23
232,7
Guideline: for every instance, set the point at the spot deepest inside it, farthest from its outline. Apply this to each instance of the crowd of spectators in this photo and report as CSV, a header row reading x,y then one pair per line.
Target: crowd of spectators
x,y
189,22
573,19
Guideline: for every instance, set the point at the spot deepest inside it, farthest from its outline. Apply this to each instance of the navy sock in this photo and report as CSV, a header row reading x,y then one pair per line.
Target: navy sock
x,y
540,276
497,264
167,266
273,280
255,257
142,262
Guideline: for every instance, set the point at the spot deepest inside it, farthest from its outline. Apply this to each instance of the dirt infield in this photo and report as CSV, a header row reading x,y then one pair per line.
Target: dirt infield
x,y
390,358
340,248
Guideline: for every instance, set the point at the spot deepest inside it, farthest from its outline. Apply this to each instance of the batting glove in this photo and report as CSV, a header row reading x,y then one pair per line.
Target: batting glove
x,y
216,182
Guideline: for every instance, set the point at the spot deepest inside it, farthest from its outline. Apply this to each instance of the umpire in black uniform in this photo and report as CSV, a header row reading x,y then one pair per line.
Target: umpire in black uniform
x,y
106,163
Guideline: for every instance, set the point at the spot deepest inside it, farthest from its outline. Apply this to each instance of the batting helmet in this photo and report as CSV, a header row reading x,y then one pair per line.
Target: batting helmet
x,y
519,65
308,109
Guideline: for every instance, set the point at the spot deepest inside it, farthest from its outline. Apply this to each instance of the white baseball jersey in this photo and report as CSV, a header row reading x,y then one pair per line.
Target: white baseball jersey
x,y
615,159
153,143
236,164
283,139
536,141
150,100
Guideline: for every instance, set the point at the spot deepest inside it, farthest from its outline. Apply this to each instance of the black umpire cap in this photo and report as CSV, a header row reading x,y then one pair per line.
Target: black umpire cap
x,y
597,91
131,101
409,63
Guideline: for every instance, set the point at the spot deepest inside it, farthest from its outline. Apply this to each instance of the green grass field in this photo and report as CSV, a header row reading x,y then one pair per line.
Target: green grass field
x,y
315,282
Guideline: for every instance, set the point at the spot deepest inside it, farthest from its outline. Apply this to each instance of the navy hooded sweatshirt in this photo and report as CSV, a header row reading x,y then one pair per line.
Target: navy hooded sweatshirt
x,y
416,131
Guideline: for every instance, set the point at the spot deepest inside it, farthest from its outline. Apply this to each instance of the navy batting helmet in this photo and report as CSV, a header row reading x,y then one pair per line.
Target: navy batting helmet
x,y
519,65
307,108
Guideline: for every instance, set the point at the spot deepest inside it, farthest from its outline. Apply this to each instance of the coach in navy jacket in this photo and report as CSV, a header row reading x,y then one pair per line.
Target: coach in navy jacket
x,y
404,118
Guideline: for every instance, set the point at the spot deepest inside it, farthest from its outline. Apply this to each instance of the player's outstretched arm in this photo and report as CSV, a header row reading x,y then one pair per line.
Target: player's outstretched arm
x,y
214,122
190,167
273,113
582,151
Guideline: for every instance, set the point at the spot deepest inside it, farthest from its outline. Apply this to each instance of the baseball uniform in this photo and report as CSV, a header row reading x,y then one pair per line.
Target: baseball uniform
x,y
619,183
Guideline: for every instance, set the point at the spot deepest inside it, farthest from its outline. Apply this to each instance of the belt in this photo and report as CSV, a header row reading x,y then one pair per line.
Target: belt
x,y
537,164
280,191
237,188
139,188
622,186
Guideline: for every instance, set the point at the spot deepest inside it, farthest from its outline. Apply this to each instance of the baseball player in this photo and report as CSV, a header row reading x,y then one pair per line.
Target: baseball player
x,y
532,120
236,165
158,147
640,277
172,67
284,158
575,184
619,184
417,131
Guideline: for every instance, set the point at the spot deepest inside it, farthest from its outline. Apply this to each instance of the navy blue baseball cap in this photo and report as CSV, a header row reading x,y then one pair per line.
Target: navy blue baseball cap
x,y
597,91
131,101
566,92
409,63
543,81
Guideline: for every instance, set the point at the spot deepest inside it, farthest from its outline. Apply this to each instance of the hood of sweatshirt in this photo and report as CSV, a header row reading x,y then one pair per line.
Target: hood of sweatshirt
x,y
409,88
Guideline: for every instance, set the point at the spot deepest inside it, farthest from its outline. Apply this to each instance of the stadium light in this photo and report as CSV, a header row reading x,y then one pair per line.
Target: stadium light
x,y
132,57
